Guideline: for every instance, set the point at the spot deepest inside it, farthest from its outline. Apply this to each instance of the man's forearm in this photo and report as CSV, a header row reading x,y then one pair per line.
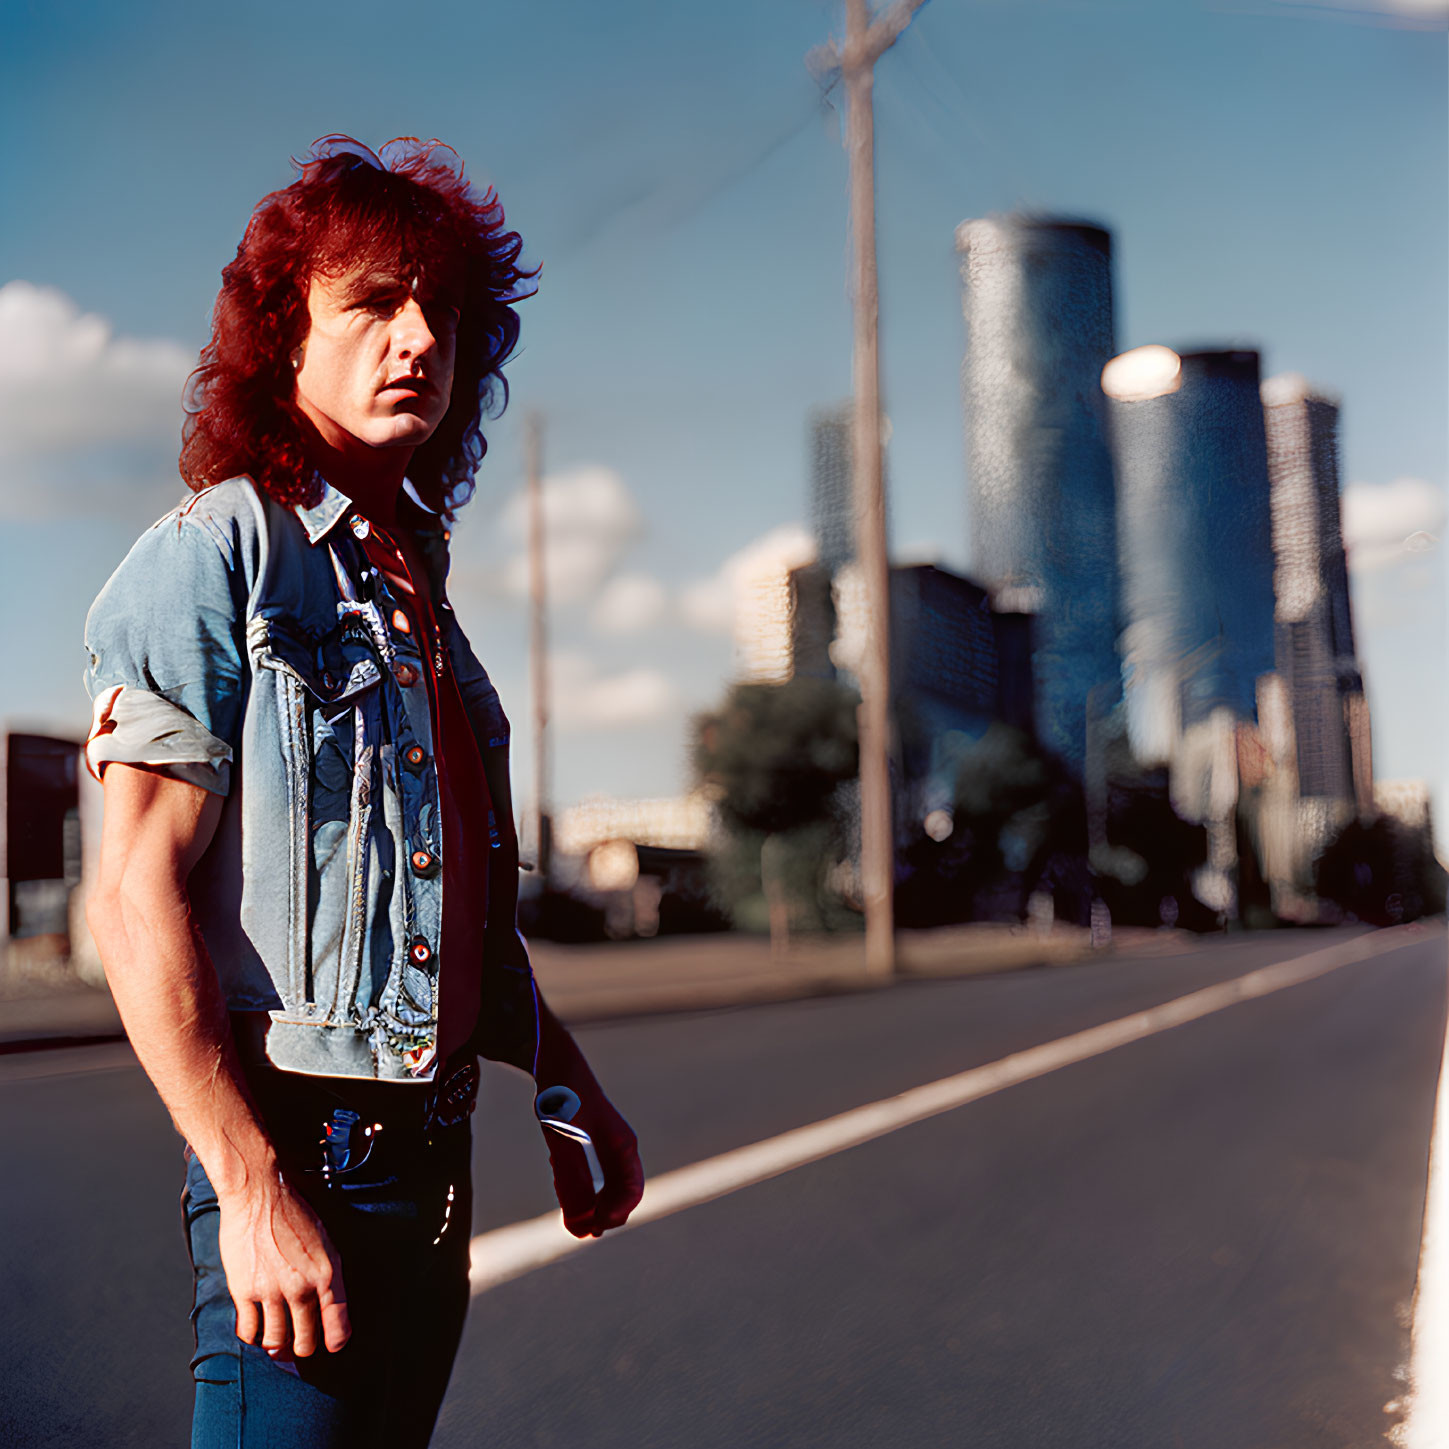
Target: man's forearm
x,y
171,1005
283,1273
559,1056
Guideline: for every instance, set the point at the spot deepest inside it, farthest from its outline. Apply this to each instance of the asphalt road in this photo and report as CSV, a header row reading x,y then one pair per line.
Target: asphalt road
x,y
1206,1238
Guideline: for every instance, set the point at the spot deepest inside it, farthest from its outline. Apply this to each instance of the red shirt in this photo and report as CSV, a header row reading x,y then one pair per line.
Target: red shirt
x,y
464,801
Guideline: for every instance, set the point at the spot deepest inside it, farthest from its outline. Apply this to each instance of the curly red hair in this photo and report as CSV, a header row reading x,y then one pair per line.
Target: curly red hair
x,y
406,209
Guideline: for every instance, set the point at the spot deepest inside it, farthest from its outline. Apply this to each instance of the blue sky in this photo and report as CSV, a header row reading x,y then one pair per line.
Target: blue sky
x,y
1274,175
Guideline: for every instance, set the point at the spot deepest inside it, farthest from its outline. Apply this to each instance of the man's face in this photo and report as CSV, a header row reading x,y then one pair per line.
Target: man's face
x,y
377,365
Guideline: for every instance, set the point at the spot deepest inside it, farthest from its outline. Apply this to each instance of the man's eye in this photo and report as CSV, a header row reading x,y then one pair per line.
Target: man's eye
x,y
381,305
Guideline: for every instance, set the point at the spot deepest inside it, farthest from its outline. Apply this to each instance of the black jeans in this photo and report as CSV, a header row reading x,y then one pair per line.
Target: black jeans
x,y
400,1218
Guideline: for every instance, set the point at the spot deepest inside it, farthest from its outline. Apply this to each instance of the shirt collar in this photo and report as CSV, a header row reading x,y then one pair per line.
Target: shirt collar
x,y
323,515
413,494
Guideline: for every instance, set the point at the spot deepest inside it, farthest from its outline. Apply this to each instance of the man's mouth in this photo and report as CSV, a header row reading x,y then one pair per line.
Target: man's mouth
x,y
411,383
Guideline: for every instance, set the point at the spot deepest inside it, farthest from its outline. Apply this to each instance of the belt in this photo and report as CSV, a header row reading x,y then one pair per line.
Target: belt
x,y
330,1125
424,1107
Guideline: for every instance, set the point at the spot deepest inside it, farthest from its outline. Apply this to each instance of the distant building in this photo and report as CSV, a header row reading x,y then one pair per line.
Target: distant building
x,y
1313,616
812,621
957,665
765,612
832,509
641,862
1037,299
1194,527
1195,534
949,646
675,822
41,857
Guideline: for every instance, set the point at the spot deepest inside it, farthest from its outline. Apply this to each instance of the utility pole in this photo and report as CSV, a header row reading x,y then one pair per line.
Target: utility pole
x,y
866,40
538,639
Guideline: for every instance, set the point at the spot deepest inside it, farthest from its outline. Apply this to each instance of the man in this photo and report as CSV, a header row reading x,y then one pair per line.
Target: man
x,y
308,875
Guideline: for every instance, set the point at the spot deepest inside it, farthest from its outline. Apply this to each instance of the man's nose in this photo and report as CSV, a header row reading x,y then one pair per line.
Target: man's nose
x,y
412,337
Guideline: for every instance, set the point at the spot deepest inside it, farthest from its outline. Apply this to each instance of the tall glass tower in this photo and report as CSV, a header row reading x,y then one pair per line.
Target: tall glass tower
x,y
1037,298
1315,645
1195,529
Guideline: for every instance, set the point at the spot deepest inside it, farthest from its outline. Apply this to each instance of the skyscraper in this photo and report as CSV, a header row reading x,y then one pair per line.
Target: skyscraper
x,y
832,511
1195,533
1037,299
1313,618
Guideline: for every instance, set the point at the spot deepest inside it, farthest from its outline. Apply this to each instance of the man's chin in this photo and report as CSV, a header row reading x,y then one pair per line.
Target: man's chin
x,y
401,432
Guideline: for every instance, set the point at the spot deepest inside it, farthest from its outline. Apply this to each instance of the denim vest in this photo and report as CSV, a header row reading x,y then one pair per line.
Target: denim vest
x,y
251,649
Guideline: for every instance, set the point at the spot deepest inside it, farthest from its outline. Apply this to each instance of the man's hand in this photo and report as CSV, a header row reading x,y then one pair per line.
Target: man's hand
x,y
584,1214
562,1064
284,1274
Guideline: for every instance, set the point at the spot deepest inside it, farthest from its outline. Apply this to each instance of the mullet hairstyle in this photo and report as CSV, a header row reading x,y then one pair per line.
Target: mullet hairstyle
x,y
406,210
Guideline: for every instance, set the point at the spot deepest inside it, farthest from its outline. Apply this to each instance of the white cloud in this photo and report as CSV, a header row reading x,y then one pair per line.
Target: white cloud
x,y
629,604
712,604
1398,597
589,519
584,698
67,382
89,421
1387,523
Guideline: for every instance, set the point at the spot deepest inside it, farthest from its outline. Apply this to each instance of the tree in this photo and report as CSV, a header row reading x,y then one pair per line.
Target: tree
x,y
1025,821
1020,827
775,755
1381,871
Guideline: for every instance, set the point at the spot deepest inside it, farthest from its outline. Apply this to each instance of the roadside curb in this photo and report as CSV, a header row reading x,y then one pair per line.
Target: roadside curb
x,y
57,1043
586,991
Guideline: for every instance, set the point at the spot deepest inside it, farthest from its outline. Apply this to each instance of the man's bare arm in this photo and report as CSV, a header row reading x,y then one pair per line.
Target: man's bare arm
x,y
283,1272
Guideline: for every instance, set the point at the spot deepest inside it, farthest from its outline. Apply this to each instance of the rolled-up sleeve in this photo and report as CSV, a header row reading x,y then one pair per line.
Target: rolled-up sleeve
x,y
166,675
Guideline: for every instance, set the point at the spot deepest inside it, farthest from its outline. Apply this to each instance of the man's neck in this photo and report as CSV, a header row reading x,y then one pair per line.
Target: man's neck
x,y
371,477
374,495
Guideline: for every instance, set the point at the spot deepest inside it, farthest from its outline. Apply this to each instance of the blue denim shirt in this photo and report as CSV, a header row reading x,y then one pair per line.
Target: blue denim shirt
x,y
249,648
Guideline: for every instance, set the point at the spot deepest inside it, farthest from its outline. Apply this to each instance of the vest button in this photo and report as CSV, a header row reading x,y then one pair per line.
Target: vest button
x,y
400,622
416,756
420,951
424,862
405,674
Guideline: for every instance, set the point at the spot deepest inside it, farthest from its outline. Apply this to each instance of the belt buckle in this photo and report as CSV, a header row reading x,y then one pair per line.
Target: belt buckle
x,y
342,1153
456,1098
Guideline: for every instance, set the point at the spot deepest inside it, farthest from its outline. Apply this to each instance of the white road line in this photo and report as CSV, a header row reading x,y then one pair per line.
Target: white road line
x,y
1426,1425
507,1253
